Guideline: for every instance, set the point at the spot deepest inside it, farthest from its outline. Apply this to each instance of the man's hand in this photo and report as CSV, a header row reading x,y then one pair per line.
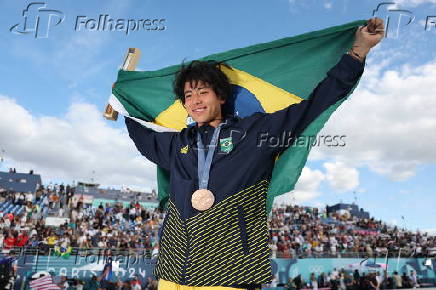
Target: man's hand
x,y
367,37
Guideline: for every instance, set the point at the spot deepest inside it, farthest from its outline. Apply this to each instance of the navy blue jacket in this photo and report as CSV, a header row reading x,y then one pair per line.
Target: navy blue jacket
x,y
227,245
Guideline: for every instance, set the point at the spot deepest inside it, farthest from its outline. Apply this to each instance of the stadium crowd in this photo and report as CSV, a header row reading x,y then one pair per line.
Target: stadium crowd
x,y
295,232
109,226
304,232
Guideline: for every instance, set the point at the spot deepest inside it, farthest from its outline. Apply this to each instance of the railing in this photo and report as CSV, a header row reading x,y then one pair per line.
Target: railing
x,y
147,253
390,254
103,252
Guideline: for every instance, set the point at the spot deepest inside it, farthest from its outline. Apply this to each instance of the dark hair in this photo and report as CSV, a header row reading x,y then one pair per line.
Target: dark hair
x,y
205,71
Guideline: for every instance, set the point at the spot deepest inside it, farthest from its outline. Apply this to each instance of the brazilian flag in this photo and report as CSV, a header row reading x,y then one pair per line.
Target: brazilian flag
x,y
266,77
63,252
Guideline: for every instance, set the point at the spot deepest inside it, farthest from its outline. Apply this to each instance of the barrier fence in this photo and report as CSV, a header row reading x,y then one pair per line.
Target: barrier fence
x,y
128,263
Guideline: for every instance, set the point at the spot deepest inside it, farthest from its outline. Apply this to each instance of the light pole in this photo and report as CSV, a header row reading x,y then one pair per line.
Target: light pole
x,y
2,158
404,222
355,197
92,176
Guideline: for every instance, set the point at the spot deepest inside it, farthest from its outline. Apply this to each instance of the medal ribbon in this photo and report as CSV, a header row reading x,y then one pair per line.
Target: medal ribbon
x,y
204,163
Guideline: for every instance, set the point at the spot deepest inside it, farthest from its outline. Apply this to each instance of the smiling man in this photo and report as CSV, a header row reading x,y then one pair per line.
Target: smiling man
x,y
215,230
202,103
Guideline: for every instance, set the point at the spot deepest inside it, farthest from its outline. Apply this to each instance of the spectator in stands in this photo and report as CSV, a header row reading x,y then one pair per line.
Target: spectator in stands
x,y
341,279
78,284
414,279
123,285
273,248
29,197
322,280
22,239
151,284
313,281
398,281
21,199
16,198
298,282
407,283
349,282
379,279
93,284
372,281
61,211
10,240
135,284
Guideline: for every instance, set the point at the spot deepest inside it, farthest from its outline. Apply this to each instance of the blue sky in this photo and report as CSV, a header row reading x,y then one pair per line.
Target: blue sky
x,y
52,92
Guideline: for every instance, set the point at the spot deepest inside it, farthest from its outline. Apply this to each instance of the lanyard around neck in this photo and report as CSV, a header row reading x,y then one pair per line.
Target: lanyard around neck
x,y
204,163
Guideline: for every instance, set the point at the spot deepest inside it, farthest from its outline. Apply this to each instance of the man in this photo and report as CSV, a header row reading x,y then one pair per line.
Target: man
x,y
414,279
398,281
215,230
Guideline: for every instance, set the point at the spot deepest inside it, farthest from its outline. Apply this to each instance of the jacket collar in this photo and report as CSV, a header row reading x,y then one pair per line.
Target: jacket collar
x,y
229,121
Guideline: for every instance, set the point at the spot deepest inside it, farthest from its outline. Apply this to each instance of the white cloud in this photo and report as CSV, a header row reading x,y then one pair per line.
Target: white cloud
x,y
341,177
70,148
328,5
414,3
305,190
389,122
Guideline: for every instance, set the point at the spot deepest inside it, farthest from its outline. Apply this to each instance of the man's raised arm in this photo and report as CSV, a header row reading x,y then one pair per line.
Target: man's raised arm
x,y
338,83
155,146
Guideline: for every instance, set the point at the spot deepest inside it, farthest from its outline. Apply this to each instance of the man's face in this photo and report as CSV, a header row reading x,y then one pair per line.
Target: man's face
x,y
201,102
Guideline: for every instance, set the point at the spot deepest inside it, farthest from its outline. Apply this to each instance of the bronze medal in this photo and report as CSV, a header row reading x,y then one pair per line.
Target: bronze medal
x,y
202,199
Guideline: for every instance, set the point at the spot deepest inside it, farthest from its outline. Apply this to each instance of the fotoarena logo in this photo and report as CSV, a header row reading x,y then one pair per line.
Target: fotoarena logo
x,y
38,20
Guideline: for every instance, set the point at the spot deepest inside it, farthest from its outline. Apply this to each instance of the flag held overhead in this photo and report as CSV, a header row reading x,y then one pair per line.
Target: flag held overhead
x,y
266,78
